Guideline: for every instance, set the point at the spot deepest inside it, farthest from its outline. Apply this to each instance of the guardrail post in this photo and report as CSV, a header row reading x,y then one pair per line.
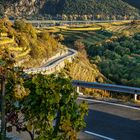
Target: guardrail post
x,y
77,89
135,97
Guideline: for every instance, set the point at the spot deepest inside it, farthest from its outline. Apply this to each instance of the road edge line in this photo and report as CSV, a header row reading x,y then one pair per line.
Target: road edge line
x,y
115,104
98,135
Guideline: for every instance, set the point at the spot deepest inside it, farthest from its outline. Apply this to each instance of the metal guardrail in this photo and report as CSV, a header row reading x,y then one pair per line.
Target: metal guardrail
x,y
109,87
41,69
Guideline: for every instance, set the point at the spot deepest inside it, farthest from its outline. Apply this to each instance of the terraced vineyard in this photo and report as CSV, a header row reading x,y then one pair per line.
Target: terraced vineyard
x,y
93,34
28,46
20,53
87,37
129,28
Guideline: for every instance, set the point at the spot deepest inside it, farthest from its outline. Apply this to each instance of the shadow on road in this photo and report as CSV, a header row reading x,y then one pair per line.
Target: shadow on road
x,y
116,127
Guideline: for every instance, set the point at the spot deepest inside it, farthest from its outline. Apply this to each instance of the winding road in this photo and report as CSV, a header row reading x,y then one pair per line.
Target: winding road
x,y
52,63
111,121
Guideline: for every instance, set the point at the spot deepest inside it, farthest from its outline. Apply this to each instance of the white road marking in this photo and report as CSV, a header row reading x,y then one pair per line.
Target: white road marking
x,y
98,135
104,102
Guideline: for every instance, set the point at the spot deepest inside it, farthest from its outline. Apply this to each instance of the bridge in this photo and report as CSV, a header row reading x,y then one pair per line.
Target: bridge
x,y
47,23
109,87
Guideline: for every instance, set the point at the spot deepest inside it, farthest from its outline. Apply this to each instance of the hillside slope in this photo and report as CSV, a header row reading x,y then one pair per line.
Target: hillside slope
x,y
29,46
82,69
97,9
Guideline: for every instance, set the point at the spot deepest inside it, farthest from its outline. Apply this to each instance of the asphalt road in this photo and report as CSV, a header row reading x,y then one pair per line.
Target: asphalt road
x,y
51,62
111,122
105,121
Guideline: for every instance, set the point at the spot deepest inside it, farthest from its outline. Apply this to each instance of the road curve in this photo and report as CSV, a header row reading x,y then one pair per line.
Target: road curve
x,y
52,63
70,52
111,122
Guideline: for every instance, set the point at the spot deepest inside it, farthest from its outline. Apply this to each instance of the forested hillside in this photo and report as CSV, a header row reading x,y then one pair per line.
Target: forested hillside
x,y
98,8
119,59
70,9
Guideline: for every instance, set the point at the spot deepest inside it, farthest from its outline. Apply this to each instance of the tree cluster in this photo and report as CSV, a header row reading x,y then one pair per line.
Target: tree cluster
x,y
119,60
93,9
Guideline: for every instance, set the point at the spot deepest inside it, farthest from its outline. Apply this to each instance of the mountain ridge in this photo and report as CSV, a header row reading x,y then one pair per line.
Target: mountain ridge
x,y
100,9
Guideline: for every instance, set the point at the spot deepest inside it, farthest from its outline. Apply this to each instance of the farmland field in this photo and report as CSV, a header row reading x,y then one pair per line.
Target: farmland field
x,y
114,46
95,33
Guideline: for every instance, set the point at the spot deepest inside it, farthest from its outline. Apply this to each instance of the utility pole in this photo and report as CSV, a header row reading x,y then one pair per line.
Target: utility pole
x,y
3,120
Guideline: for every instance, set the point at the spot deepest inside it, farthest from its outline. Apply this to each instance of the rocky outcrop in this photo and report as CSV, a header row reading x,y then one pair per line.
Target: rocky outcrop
x,y
24,7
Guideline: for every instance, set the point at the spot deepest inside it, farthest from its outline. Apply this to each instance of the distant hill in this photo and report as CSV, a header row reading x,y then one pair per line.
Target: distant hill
x,y
135,3
100,9
97,7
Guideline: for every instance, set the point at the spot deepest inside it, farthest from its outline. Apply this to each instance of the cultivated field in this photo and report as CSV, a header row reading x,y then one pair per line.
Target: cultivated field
x,y
96,33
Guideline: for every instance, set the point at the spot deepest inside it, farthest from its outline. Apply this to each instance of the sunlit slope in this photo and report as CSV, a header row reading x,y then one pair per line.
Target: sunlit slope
x,y
82,69
87,37
130,28
28,46
97,33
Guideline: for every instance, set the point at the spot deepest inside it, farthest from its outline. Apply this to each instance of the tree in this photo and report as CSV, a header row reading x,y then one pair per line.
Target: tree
x,y
64,17
45,104
51,108
59,37
12,89
79,45
1,10
84,17
22,26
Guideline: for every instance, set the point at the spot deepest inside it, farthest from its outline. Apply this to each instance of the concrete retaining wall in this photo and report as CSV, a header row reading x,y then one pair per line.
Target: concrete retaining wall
x,y
57,66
